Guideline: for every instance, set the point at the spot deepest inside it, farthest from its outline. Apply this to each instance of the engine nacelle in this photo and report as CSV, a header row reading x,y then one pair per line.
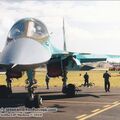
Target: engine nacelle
x,y
56,66
13,74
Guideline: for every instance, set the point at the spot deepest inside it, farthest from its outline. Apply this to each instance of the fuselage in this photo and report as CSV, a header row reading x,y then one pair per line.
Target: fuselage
x,y
28,46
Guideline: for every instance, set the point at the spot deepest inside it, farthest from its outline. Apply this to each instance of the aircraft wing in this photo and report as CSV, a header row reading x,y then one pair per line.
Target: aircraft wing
x,y
113,58
74,59
78,58
88,57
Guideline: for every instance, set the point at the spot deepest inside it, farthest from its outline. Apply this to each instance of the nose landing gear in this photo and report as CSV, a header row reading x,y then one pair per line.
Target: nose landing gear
x,y
32,99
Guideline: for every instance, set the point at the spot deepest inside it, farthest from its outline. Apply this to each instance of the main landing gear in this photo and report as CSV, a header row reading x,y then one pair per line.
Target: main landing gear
x,y
6,91
32,99
68,90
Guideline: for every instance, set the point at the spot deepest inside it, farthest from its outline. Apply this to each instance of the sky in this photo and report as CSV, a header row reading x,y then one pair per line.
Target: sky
x,y
91,26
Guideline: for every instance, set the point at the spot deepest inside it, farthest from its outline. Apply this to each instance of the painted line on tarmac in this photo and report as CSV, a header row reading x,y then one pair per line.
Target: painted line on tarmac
x,y
100,111
106,106
95,110
76,102
81,116
116,102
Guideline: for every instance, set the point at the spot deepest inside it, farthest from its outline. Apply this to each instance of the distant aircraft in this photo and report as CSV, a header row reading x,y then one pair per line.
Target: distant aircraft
x,y
28,46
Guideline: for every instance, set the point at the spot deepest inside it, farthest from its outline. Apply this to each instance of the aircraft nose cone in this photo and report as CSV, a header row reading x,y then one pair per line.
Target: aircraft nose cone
x,y
24,51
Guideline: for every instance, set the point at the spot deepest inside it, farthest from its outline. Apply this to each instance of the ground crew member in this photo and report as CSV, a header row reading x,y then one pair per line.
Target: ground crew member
x,y
106,77
47,81
86,80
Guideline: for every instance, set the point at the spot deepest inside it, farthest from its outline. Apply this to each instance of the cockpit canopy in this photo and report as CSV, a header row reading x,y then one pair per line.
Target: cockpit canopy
x,y
28,28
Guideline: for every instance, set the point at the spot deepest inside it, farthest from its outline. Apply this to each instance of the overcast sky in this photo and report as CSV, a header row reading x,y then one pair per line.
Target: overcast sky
x,y
91,26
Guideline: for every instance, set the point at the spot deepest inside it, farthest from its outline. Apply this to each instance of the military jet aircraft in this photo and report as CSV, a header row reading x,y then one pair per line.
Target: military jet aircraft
x,y
28,46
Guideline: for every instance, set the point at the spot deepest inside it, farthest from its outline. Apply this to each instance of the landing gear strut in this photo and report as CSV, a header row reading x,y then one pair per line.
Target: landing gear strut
x,y
69,89
32,99
9,81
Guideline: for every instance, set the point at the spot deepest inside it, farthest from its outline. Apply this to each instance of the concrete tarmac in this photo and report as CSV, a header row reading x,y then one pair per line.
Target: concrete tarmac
x,y
88,104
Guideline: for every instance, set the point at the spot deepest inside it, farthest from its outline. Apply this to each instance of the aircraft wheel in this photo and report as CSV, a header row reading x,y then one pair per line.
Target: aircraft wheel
x,y
37,101
28,102
4,91
70,90
64,89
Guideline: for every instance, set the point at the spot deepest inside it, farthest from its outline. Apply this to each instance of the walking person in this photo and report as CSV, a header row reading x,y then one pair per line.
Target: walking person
x,y
106,77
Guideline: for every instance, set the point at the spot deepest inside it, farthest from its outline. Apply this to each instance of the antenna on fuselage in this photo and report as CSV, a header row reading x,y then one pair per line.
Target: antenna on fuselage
x,y
64,37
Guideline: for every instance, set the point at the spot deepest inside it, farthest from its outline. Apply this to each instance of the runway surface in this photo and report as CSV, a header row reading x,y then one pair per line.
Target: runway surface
x,y
88,104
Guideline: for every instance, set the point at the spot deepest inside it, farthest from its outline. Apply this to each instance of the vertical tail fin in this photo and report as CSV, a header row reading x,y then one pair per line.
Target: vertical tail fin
x,y
64,37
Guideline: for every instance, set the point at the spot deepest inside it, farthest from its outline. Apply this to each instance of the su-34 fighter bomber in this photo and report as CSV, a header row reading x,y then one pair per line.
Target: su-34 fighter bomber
x,y
28,46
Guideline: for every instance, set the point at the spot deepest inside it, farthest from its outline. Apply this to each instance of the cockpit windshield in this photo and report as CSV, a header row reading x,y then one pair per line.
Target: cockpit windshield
x,y
17,30
28,28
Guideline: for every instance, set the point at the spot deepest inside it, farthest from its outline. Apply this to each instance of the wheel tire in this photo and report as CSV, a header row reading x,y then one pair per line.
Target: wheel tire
x,y
37,101
4,91
64,90
70,90
28,102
